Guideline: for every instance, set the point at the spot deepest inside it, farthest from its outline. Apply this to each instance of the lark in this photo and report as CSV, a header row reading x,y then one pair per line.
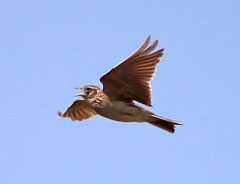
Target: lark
x,y
126,83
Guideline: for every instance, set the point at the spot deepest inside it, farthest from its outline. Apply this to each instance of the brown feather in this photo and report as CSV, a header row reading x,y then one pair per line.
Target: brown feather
x,y
163,123
130,79
79,110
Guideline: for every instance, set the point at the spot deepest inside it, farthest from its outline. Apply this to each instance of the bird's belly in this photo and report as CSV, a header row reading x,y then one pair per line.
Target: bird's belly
x,y
124,112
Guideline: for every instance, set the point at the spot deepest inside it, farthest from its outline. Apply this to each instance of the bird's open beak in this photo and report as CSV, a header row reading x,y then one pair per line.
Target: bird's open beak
x,y
82,94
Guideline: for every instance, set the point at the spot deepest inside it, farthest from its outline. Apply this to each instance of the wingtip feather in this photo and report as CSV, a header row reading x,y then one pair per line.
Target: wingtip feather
x,y
59,114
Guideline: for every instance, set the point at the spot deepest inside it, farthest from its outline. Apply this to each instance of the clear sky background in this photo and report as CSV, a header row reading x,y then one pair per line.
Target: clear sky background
x,y
49,47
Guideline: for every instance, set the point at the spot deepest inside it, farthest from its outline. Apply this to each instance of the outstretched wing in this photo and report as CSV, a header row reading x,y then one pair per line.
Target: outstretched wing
x,y
130,79
79,110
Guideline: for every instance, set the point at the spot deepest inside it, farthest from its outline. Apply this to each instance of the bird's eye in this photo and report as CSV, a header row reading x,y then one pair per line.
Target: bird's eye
x,y
88,89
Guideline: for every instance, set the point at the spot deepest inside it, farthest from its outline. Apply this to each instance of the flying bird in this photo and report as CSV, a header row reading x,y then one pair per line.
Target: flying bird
x,y
129,81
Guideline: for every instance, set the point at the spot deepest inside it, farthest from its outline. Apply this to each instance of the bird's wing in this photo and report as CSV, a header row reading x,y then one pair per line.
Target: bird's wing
x,y
130,79
79,110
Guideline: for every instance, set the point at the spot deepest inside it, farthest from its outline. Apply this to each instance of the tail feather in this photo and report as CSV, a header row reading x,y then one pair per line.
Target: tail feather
x,y
163,123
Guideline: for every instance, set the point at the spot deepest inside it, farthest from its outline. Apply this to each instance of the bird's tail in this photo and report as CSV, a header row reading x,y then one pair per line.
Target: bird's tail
x,y
163,123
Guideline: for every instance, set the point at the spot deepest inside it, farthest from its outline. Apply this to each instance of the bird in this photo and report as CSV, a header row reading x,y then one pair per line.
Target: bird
x,y
123,86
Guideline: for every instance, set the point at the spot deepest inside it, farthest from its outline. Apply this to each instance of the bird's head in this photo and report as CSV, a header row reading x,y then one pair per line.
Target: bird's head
x,y
89,91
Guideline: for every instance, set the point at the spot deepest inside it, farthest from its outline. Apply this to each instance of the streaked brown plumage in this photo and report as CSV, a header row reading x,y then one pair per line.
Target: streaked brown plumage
x,y
125,83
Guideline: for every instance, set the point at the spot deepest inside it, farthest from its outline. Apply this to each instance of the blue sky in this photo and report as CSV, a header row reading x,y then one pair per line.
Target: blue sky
x,y
49,47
